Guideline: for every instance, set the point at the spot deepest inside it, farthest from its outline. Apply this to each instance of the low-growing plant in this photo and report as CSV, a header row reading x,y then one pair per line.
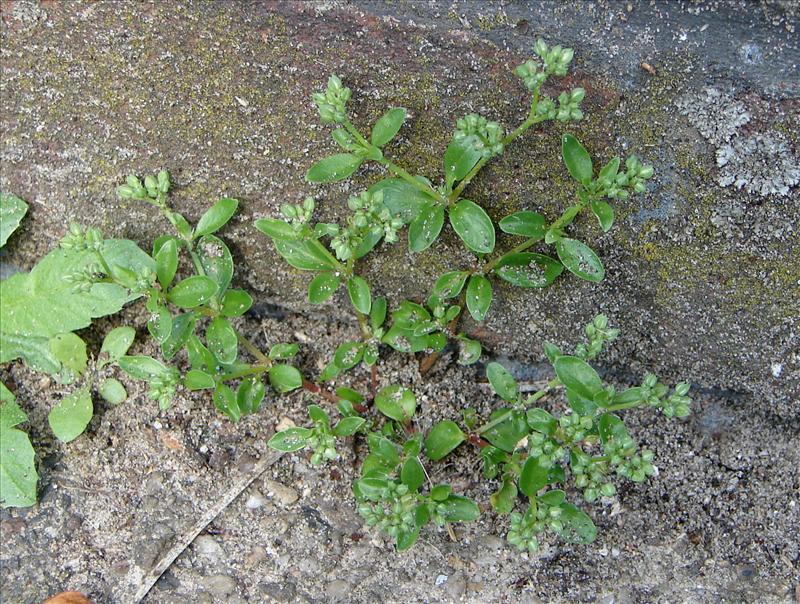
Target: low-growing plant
x,y
186,281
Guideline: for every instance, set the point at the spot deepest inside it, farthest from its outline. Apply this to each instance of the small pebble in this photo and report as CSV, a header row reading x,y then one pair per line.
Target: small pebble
x,y
441,580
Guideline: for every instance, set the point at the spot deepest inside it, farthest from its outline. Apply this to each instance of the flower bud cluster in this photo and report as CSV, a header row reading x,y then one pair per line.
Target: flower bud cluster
x,y
591,476
489,135
370,216
151,189
524,527
331,103
83,279
324,445
569,105
622,456
555,59
162,388
654,393
598,333
547,450
392,511
575,427
298,214
79,239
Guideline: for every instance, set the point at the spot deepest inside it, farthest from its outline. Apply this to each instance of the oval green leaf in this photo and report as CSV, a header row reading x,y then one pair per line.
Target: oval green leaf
x,y
216,216
577,375
526,224
70,417
323,286
479,296
577,159
502,382
277,229
116,344
192,292
198,380
216,260
222,341
473,225
580,260
396,402
285,378
305,254
425,228
388,126
235,303
333,168
527,269
442,439
113,391
360,296
167,262
460,157
604,213
450,284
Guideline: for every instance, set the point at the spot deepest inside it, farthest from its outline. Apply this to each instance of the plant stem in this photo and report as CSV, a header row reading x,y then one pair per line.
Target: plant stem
x,y
531,399
398,171
621,406
519,248
251,370
262,359
316,389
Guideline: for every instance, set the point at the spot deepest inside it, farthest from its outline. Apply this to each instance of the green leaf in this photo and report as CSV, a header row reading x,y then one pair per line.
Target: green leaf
x,y
290,440
470,351
460,157
442,439
505,498
235,302
507,434
441,492
333,168
70,417
167,262
285,378
160,324
192,292
216,217
412,474
70,350
580,260
552,497
116,345
283,351
473,225
533,477
577,159
551,351
425,228
541,421
577,375
604,213
577,526
377,315
222,341
502,382
200,356
387,126
35,352
450,284
406,538
580,404
526,269
277,229
348,426
250,394
611,427
323,286
526,224
182,328
113,391
306,254
198,380
396,402
216,260
12,210
360,296
348,354
143,367
402,198
479,297
225,402
18,475
460,509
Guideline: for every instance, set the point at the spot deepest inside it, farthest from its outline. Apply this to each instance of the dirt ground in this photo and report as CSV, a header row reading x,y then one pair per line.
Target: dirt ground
x,y
720,522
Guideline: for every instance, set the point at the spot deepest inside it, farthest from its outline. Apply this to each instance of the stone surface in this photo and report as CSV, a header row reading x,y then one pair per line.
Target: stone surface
x,y
92,92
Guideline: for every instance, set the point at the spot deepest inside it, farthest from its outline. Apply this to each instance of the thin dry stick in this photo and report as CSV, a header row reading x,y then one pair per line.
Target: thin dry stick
x,y
186,539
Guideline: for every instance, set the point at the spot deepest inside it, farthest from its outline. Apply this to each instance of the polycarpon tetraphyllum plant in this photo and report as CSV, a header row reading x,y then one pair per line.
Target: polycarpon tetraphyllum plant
x,y
545,457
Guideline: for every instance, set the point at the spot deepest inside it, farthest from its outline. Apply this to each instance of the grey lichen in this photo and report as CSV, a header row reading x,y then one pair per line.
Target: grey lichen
x,y
714,113
762,164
